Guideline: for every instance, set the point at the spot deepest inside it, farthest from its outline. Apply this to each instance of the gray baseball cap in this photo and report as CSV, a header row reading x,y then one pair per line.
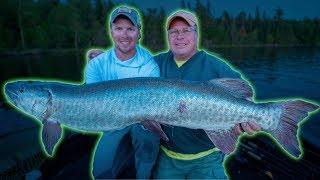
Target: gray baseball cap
x,y
187,16
130,13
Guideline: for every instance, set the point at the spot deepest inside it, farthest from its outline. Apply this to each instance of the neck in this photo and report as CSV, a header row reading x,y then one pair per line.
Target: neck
x,y
125,56
184,57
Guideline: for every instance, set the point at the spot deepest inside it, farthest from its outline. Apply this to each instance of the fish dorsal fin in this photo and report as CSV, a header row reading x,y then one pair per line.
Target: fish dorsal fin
x,y
236,87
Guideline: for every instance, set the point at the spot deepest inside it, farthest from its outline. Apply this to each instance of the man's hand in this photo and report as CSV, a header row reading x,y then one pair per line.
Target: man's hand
x,y
92,53
248,127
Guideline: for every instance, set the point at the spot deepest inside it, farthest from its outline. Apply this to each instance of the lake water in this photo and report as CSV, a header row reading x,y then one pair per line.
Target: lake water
x,y
275,73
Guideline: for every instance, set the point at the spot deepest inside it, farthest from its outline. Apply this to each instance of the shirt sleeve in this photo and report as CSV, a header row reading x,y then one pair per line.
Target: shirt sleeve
x,y
227,71
151,69
157,59
155,71
92,72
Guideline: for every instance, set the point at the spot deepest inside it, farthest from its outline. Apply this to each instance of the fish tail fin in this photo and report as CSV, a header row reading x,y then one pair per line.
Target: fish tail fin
x,y
293,112
51,134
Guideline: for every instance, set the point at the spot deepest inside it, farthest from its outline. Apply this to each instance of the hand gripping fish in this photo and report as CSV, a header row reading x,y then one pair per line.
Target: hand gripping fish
x,y
216,106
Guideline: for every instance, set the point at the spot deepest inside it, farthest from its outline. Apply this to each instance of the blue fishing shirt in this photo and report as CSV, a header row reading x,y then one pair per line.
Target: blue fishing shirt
x,y
107,66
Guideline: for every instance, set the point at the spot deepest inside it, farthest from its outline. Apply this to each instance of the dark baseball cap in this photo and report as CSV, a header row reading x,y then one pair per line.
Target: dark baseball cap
x,y
130,13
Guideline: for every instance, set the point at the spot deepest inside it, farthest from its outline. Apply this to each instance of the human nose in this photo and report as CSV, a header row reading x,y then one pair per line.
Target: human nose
x,y
180,35
123,33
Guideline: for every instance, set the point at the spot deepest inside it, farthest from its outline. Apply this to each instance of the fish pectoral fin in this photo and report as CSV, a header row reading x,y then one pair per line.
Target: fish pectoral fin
x,y
51,133
224,140
155,127
236,87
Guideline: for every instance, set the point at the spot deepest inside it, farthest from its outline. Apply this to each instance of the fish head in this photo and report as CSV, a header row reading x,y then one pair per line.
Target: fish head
x,y
33,98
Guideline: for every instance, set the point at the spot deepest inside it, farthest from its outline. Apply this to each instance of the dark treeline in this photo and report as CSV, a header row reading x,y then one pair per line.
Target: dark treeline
x,y
54,24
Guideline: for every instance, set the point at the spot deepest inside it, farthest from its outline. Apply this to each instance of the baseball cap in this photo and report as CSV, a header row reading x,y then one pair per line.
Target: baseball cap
x,y
187,16
130,13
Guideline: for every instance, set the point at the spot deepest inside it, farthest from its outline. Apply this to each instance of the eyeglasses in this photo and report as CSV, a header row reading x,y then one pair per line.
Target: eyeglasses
x,y
184,31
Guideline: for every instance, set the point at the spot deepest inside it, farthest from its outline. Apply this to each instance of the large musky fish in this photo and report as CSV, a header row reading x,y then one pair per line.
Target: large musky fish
x,y
216,106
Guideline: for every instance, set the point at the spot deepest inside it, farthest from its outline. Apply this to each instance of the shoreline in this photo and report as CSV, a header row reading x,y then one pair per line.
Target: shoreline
x,y
36,51
261,45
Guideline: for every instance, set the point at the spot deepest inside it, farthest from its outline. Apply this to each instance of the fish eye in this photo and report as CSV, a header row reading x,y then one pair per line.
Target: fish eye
x,y
21,90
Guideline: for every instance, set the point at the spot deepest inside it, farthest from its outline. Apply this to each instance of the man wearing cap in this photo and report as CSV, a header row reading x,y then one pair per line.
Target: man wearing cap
x,y
189,153
125,59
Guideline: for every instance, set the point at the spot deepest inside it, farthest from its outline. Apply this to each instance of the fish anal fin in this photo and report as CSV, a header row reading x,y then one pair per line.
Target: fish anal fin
x,y
155,127
236,87
51,133
224,140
